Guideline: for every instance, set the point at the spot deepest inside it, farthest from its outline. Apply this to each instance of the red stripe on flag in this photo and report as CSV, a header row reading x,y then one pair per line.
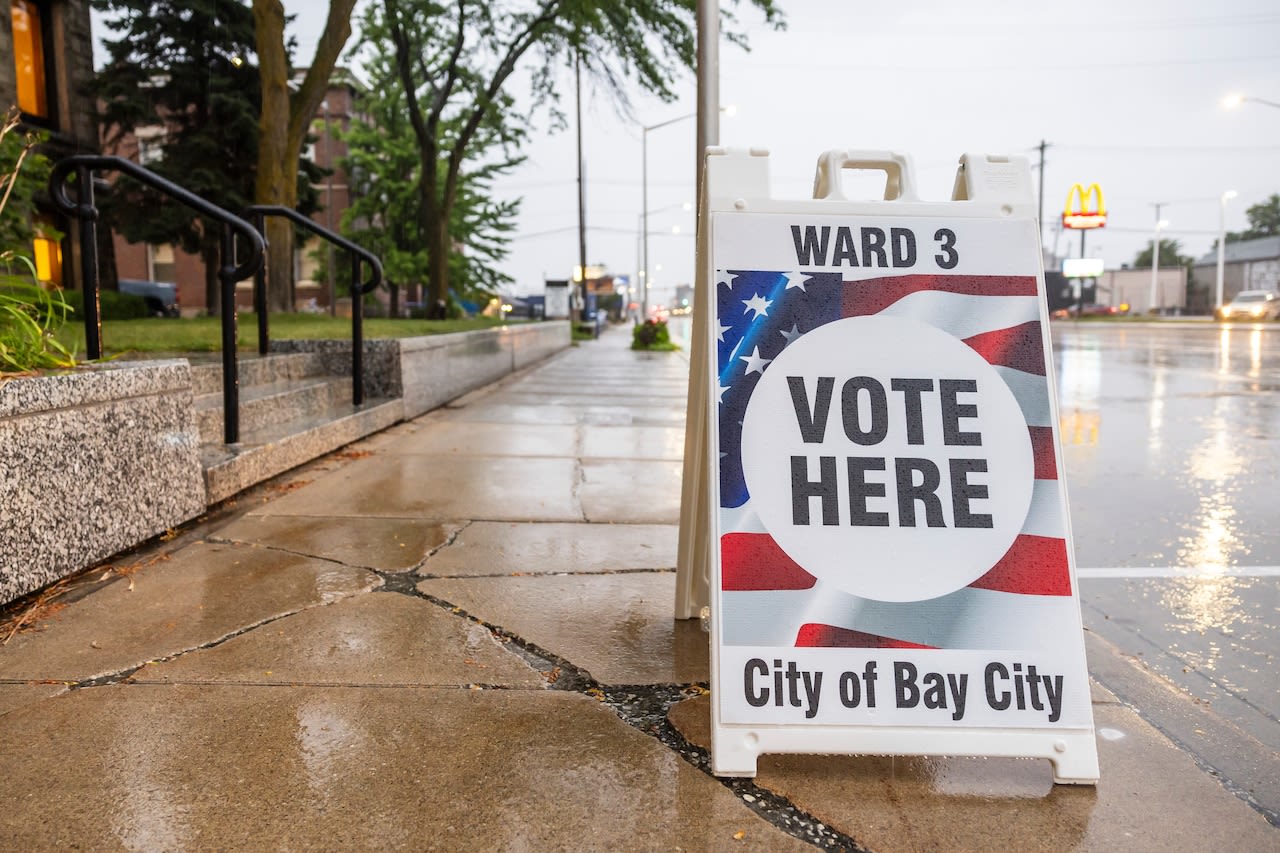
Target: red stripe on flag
x,y
873,295
753,561
813,635
1042,450
1019,347
1033,565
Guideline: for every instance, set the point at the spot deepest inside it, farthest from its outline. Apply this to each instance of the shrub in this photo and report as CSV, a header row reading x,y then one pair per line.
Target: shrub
x,y
112,305
651,334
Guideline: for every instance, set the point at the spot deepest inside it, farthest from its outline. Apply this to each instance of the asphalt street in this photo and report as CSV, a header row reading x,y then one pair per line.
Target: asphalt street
x,y
1171,443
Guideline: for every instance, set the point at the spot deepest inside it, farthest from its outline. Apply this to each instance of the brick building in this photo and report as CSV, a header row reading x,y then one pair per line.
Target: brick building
x,y
312,287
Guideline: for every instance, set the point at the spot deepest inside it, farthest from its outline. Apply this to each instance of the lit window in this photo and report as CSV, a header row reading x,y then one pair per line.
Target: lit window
x,y
47,252
28,58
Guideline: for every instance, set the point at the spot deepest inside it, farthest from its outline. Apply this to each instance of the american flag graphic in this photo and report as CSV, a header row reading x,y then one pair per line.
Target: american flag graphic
x,y
1024,601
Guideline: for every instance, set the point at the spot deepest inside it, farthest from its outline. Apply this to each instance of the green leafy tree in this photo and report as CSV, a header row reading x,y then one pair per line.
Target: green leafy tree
x,y
455,62
283,123
1170,255
1264,221
182,72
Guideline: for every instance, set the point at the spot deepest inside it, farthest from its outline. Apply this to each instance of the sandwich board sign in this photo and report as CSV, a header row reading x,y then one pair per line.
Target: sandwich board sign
x,y
877,487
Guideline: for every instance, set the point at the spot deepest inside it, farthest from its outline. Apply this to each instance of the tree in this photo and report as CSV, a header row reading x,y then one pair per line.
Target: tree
x,y
183,70
283,123
1170,256
385,168
454,62
1264,221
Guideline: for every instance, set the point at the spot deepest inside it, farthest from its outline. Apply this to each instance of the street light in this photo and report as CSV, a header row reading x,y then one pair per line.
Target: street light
x,y
1222,239
1235,99
1155,256
644,200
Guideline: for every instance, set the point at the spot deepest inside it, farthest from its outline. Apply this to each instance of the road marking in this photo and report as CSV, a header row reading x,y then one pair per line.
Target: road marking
x,y
1180,572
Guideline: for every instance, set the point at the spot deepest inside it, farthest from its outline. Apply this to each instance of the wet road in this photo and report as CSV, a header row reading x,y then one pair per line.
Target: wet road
x,y
1171,443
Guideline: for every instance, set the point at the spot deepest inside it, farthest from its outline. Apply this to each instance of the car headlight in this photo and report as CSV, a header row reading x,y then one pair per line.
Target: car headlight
x,y
1257,312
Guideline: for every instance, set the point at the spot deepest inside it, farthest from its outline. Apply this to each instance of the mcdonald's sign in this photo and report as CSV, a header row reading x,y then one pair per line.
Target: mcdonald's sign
x,y
1085,208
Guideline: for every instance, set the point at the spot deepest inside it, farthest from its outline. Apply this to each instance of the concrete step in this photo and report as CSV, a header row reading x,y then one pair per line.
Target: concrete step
x,y
267,451
206,373
272,403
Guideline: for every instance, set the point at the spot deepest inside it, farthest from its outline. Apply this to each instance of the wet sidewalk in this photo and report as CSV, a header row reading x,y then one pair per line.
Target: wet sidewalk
x,y
457,635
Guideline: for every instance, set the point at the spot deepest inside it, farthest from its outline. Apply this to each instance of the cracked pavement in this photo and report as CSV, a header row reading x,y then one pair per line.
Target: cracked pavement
x,y
457,635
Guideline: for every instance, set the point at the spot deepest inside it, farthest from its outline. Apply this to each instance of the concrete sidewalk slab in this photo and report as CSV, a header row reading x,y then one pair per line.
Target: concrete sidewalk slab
x,y
509,548
381,544
635,442
444,488
631,491
194,597
233,767
446,438
1151,796
382,639
616,627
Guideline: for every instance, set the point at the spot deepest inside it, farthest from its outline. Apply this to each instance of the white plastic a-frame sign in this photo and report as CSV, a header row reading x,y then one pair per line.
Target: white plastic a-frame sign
x,y
891,569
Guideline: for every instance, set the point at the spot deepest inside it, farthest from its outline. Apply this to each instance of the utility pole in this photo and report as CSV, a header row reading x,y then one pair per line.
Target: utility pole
x,y
708,12
1155,259
582,195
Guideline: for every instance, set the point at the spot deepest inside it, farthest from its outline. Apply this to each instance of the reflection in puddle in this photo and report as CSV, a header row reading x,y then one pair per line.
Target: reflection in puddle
x,y
1213,466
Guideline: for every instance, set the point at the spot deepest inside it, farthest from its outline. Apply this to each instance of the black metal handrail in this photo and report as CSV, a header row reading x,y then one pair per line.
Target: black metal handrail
x,y
359,254
84,165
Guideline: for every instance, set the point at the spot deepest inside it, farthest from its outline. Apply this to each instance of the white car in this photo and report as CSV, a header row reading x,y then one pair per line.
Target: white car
x,y
1252,305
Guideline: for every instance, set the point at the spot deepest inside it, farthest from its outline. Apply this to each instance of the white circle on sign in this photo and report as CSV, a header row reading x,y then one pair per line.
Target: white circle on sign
x,y
911,491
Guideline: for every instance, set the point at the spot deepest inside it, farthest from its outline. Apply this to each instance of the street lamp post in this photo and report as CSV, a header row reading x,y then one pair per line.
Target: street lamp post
x,y
1222,239
1234,100
1155,258
644,202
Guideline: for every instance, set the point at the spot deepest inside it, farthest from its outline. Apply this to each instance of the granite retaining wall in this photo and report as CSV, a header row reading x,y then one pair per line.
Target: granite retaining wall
x,y
429,371
93,461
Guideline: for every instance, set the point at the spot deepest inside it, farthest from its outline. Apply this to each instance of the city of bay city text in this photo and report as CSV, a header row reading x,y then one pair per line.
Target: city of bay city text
x,y
1006,686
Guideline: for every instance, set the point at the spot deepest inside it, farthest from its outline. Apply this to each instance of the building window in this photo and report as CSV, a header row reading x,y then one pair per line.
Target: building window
x,y
47,251
161,263
28,58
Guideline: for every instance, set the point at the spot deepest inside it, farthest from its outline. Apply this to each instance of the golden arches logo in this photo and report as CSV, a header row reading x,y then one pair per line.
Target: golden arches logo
x,y
1078,213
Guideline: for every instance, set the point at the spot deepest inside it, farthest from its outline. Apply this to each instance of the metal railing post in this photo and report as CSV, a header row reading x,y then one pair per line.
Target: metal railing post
x,y
260,285
228,273
230,369
87,213
359,288
357,332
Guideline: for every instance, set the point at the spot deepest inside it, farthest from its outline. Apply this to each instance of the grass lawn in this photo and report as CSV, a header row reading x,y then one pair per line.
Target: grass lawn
x,y
204,334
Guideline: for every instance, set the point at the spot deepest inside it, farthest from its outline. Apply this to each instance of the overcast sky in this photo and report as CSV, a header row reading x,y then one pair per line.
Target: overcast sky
x,y
1127,94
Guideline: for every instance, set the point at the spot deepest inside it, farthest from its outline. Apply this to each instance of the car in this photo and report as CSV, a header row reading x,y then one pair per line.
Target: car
x,y
1252,305
161,296
1090,309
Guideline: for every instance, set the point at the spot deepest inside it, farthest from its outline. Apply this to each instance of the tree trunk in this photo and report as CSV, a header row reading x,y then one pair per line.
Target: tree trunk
x,y
283,126
435,229
212,256
275,182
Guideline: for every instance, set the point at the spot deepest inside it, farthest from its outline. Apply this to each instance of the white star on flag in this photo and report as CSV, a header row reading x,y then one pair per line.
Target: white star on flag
x,y
726,278
755,364
720,330
791,335
797,279
720,389
758,304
